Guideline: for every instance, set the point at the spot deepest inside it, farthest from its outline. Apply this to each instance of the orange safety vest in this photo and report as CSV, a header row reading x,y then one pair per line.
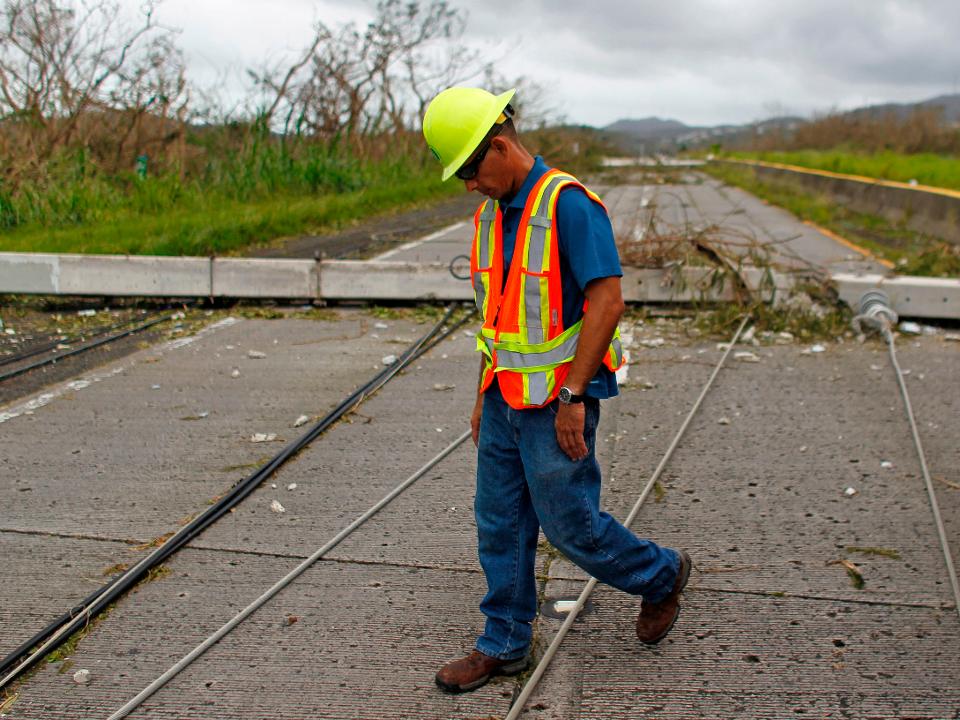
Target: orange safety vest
x,y
523,337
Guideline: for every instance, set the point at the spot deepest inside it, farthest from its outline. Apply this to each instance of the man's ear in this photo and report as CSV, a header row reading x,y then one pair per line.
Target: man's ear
x,y
501,145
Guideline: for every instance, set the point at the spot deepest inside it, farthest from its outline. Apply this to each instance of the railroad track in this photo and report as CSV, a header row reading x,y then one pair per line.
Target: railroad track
x,y
52,352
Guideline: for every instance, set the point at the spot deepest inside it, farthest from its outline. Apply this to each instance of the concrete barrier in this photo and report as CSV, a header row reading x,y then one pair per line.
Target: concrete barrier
x,y
45,274
99,275
930,210
918,297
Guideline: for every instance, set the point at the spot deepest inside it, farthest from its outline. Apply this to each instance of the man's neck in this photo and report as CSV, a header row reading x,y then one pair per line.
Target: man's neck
x,y
524,166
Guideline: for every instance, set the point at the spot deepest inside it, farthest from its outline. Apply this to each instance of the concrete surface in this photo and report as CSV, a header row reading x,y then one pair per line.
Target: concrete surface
x,y
769,628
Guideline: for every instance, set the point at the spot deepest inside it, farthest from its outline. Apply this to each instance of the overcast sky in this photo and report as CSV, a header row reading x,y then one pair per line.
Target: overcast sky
x,y
703,62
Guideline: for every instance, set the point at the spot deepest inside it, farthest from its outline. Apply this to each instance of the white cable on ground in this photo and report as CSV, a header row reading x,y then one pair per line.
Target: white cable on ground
x,y
941,531
541,668
281,584
876,314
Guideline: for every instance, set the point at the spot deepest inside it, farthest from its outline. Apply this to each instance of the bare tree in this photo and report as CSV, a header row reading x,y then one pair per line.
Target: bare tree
x,y
356,83
62,63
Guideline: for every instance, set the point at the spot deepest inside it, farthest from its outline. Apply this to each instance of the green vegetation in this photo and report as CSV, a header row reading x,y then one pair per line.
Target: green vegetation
x,y
883,552
925,168
826,322
265,195
914,253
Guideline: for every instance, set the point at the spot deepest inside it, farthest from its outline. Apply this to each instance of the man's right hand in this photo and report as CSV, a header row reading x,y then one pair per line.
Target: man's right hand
x,y
475,420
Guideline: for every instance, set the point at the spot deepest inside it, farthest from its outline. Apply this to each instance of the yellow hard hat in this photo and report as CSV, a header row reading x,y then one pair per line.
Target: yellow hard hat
x,y
456,122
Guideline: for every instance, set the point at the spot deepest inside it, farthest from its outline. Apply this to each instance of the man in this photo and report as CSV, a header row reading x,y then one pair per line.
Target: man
x,y
546,276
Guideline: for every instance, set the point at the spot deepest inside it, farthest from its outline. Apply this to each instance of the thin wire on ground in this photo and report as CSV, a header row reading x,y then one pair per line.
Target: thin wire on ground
x,y
544,663
187,659
32,651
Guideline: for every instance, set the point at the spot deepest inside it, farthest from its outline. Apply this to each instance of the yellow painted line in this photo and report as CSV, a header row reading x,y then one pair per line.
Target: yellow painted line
x,y
855,178
853,246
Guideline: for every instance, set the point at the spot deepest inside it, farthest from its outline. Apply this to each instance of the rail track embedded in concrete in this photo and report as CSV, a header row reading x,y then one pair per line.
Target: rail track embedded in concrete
x,y
35,649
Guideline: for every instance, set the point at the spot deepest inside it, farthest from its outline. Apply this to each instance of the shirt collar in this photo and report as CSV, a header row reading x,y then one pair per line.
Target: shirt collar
x,y
519,200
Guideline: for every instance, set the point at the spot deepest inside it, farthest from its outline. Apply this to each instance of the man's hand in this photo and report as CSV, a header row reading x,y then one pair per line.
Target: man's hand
x,y
475,420
569,424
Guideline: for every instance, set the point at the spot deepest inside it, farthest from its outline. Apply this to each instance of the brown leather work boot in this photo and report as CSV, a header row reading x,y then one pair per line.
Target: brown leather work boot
x,y
656,619
475,670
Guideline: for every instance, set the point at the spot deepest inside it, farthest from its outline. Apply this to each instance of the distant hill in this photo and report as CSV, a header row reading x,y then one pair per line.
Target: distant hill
x,y
652,133
949,105
648,128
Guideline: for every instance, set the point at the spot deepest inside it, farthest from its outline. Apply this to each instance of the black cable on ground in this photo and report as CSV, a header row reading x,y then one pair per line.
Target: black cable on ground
x,y
58,631
76,351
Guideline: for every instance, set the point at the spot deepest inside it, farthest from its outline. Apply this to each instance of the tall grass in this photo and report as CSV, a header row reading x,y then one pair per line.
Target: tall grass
x,y
924,168
233,194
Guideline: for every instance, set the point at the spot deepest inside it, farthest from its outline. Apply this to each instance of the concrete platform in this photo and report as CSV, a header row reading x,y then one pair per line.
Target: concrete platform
x,y
769,627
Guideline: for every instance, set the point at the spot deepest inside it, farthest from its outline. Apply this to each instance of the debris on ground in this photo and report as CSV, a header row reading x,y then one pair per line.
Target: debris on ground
x,y
910,328
952,337
292,486
302,420
81,677
723,421
263,437
850,491
256,355
198,416
886,464
276,507
442,386
882,552
389,359
853,572
235,373
381,326
746,357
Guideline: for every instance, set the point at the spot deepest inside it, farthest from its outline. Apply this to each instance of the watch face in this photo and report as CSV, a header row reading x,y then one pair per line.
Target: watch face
x,y
565,394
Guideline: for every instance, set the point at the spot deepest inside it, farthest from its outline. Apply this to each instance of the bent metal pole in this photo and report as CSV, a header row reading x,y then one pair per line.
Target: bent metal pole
x,y
544,663
282,583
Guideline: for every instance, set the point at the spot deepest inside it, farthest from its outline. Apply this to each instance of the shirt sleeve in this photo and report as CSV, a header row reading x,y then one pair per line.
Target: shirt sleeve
x,y
586,237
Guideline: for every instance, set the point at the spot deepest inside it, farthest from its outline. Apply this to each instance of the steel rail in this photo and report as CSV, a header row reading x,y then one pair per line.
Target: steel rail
x,y
58,631
65,339
517,706
82,349
283,582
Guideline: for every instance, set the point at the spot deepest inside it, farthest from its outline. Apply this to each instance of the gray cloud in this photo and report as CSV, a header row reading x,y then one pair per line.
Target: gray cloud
x,y
712,60
700,61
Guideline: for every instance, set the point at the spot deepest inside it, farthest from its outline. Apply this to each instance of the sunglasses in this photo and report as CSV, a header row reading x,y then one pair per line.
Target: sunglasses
x,y
469,170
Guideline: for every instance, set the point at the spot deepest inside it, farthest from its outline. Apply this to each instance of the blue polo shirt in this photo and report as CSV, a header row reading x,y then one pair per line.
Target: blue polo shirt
x,y
587,252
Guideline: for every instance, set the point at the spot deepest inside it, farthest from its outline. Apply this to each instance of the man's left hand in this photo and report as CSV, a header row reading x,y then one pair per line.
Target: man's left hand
x,y
569,425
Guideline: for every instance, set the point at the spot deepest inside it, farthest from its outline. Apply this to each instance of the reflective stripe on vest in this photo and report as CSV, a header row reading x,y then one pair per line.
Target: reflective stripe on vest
x,y
523,338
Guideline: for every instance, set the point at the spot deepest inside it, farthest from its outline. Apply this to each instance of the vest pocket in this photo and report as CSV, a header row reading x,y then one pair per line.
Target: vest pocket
x,y
535,313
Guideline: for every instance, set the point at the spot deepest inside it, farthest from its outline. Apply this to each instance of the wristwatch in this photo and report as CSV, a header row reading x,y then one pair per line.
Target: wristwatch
x,y
567,396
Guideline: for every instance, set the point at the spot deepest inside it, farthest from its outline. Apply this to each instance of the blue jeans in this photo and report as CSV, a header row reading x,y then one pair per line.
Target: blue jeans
x,y
525,481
